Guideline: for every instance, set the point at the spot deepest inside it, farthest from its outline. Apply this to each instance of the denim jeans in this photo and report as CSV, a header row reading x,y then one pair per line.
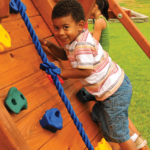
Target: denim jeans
x,y
112,113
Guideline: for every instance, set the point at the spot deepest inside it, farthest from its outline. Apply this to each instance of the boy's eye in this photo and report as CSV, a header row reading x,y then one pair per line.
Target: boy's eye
x,y
66,27
56,28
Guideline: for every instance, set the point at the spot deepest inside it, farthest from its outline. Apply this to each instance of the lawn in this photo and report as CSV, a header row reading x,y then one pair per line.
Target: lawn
x,y
130,57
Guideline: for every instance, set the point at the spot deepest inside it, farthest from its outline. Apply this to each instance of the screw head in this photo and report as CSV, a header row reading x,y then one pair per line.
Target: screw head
x,y
119,16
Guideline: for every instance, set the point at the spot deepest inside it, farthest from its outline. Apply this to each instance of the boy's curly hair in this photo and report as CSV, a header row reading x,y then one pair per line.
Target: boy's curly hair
x,y
68,7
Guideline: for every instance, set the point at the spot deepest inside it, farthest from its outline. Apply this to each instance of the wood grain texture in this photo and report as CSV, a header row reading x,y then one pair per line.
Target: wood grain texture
x,y
18,64
4,9
10,137
20,35
29,125
69,137
31,11
37,89
20,69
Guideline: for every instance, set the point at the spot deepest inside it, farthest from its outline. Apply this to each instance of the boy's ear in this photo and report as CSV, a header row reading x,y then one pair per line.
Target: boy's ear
x,y
81,25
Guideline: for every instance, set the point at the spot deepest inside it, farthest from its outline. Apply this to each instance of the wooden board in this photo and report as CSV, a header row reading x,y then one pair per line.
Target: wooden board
x,y
31,11
19,34
29,125
20,68
10,137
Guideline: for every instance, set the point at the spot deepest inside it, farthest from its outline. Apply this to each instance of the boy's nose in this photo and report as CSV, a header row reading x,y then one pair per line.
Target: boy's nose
x,y
61,32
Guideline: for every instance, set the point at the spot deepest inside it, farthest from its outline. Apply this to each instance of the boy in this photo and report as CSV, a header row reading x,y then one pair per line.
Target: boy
x,y
97,72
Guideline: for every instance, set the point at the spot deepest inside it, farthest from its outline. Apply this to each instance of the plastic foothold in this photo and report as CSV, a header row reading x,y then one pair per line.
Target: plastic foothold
x,y
60,79
103,144
5,40
52,120
14,8
15,100
84,96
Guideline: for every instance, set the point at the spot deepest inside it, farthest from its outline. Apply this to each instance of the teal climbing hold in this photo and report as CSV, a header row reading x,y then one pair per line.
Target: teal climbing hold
x,y
15,100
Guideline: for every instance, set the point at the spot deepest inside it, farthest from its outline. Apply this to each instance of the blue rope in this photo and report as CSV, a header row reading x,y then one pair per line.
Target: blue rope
x,y
53,70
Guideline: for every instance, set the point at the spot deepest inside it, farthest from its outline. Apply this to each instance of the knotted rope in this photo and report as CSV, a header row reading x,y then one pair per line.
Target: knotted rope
x,y
53,70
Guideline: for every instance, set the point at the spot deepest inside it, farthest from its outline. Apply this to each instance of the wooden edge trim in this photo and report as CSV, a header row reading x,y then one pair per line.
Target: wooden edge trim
x,y
10,136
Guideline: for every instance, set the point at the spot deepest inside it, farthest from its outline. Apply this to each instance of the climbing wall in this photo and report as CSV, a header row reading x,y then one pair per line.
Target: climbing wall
x,y
20,68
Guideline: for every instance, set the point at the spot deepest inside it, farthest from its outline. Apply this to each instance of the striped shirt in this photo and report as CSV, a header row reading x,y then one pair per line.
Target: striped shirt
x,y
86,53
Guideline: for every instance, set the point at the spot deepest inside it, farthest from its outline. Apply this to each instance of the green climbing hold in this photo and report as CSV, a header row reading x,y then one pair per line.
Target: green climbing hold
x,y
15,100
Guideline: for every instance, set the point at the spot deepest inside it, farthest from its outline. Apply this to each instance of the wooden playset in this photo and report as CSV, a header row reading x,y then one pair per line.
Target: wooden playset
x,y
20,69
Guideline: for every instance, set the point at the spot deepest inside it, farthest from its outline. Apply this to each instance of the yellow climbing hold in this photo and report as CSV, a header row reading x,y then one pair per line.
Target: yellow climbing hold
x,y
5,40
103,145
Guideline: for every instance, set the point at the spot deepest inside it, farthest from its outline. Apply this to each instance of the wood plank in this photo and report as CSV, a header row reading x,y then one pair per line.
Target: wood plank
x,y
131,27
97,139
69,137
18,64
37,89
19,34
29,126
31,11
10,137
87,6
4,9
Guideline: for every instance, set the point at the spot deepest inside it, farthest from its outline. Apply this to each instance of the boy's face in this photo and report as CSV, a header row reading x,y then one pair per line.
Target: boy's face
x,y
66,29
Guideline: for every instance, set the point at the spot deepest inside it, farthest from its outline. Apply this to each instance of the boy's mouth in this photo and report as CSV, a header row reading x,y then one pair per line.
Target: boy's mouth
x,y
63,39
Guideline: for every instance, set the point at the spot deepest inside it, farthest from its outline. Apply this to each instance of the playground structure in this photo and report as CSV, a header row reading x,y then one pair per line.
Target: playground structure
x,y
20,68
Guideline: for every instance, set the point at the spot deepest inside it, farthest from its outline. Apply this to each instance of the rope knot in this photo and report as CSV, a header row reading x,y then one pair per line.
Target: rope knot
x,y
50,68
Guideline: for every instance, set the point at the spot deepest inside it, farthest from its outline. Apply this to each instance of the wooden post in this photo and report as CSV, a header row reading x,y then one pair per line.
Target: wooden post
x,y
10,136
130,26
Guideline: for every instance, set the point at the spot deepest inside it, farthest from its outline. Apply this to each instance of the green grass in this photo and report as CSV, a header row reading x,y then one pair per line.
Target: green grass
x,y
130,57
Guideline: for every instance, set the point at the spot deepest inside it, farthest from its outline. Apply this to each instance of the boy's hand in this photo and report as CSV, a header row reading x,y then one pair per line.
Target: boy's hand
x,y
43,42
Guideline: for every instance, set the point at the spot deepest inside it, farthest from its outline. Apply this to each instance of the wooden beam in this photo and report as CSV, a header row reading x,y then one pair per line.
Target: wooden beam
x,y
31,11
130,26
112,15
10,136
87,6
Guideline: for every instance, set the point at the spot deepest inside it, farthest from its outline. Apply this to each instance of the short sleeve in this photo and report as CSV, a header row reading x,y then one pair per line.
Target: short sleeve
x,y
84,55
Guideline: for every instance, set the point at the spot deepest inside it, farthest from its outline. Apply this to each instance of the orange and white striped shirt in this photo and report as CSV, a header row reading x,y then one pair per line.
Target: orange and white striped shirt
x,y
86,53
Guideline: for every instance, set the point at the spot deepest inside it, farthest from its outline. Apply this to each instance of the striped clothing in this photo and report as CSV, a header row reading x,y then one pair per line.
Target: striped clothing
x,y
86,53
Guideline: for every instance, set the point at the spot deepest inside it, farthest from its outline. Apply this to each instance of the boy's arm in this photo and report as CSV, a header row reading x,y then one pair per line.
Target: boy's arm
x,y
75,73
56,50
